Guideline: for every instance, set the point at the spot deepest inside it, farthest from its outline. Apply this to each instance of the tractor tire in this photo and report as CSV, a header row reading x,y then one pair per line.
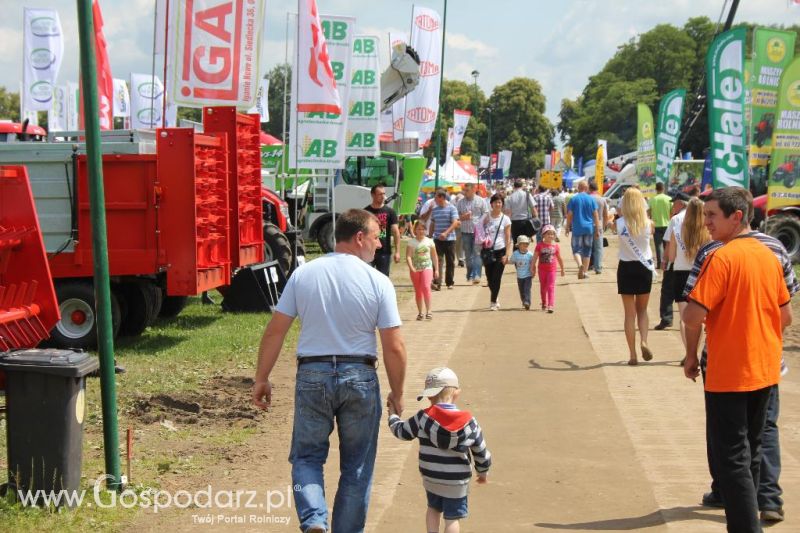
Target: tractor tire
x,y
790,180
786,228
171,306
277,247
139,304
158,300
77,328
325,237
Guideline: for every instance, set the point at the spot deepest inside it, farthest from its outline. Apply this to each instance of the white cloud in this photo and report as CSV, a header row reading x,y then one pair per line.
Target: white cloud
x,y
464,43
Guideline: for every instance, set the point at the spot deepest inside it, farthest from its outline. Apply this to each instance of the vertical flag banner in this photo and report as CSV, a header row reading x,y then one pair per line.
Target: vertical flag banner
x,y
73,106
604,144
399,107
122,99
216,52
317,81
645,151
262,100
772,51
505,162
57,114
600,167
670,116
319,138
450,139
460,122
43,45
105,81
422,105
725,79
784,169
147,101
364,105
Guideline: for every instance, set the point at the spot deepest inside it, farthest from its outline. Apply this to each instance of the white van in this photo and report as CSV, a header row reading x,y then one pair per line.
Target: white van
x,y
626,178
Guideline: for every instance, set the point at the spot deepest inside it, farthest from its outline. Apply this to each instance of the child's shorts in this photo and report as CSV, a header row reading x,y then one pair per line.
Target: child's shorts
x,y
451,508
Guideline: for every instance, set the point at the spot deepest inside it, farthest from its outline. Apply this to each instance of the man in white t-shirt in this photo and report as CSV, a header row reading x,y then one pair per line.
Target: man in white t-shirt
x,y
667,298
340,301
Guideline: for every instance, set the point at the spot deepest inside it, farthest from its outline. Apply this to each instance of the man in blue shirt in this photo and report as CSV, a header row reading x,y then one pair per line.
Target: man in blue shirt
x,y
584,223
444,221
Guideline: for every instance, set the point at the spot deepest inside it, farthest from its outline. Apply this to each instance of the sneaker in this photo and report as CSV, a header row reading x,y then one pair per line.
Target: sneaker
x,y
461,264
449,287
662,325
476,281
772,515
493,307
711,499
435,287
526,306
550,309
316,529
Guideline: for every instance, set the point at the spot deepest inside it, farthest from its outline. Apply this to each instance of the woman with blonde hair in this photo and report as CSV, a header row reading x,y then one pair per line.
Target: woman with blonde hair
x,y
685,235
635,270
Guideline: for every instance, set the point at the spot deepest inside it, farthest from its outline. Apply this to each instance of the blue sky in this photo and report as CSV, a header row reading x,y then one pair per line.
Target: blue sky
x,y
560,44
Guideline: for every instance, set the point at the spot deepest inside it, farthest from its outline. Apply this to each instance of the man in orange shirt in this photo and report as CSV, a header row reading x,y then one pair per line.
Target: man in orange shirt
x,y
742,298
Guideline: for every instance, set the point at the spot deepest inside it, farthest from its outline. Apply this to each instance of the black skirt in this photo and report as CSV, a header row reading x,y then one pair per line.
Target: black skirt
x,y
679,278
633,278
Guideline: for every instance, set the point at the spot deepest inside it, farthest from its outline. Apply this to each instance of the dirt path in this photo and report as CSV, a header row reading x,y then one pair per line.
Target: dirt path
x,y
580,440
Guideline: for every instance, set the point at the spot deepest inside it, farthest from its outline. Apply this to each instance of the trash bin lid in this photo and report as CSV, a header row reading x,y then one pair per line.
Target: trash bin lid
x,y
65,363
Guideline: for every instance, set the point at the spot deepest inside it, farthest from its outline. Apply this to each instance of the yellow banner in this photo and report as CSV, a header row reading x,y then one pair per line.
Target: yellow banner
x,y
551,179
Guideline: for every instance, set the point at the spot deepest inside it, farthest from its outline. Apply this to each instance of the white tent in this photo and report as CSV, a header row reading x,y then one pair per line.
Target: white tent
x,y
457,171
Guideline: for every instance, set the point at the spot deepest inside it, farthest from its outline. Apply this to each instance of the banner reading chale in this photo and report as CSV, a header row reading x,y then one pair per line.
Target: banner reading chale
x,y
645,151
784,170
43,44
318,139
725,79
363,120
216,52
670,115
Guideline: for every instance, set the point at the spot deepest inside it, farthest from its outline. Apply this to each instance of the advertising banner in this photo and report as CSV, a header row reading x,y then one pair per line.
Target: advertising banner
x,y
600,167
261,108
57,114
505,162
784,169
551,179
322,134
147,101
725,89
645,151
422,105
773,50
42,48
73,106
449,150
122,99
363,119
399,107
105,81
670,117
460,122
216,51
484,162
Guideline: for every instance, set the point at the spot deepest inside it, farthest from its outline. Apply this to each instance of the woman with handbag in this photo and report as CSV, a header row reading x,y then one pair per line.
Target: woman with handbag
x,y
495,234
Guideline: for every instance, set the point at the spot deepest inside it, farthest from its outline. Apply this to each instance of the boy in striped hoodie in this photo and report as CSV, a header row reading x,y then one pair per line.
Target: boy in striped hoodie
x,y
448,441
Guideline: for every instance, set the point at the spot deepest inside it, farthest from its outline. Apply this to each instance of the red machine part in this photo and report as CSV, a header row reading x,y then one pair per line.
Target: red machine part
x,y
247,238
15,127
270,197
192,184
28,305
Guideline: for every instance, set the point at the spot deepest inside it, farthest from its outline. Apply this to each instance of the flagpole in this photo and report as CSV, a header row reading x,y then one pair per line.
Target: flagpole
x,y
166,55
439,111
153,64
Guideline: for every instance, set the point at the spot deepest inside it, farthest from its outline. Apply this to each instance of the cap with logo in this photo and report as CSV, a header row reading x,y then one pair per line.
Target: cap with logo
x,y
436,380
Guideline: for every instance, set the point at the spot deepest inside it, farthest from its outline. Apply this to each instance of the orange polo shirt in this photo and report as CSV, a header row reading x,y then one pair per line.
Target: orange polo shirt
x,y
741,286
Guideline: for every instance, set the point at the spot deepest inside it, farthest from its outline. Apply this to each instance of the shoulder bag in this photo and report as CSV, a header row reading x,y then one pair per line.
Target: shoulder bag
x,y
487,254
534,223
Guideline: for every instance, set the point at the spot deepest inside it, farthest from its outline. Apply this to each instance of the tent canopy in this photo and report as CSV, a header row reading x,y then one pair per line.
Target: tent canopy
x,y
456,171
267,139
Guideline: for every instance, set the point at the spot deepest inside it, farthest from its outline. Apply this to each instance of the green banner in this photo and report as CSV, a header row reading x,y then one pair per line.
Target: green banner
x,y
645,151
773,50
784,174
726,124
670,116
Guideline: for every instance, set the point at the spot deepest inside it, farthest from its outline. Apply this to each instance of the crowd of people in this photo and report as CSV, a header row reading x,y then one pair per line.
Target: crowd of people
x,y
727,279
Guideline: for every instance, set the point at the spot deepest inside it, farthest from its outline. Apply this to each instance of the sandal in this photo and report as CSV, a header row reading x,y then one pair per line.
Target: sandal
x,y
647,354
633,362
419,316
428,316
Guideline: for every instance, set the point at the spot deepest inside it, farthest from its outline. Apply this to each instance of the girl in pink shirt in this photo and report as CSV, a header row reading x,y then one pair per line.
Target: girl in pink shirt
x,y
546,255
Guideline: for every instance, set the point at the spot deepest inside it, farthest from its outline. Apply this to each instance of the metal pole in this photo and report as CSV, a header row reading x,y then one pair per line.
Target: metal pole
x,y
166,55
439,114
475,74
489,145
105,337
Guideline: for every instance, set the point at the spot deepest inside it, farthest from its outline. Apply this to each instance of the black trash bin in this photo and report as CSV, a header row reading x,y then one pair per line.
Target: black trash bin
x,y
45,406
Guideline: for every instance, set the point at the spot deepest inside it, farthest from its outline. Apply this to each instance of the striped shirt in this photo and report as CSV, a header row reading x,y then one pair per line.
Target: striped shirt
x,y
775,246
544,202
449,439
441,218
478,208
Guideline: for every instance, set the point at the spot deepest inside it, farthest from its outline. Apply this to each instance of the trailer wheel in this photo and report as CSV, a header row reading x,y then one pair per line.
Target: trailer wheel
x,y
277,247
139,297
78,325
158,300
172,306
786,228
325,237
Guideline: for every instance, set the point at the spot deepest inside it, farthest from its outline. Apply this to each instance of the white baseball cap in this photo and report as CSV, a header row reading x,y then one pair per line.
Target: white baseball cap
x,y
436,380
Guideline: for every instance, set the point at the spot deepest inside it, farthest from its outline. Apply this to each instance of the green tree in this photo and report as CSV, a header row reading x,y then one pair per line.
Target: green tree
x,y
278,77
9,105
519,124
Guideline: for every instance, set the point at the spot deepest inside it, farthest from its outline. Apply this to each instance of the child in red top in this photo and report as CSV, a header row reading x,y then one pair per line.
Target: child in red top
x,y
546,254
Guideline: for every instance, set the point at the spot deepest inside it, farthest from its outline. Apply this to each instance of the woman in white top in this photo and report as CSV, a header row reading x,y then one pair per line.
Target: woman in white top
x,y
494,231
635,269
687,235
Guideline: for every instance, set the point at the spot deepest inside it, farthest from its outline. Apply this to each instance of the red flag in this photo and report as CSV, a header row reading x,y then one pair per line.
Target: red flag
x,y
105,81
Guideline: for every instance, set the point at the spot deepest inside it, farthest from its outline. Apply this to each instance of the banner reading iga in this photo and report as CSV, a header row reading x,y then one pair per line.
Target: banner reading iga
x,y
217,49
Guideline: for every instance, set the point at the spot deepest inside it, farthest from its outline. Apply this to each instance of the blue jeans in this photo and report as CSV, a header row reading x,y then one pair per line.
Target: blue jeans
x,y
472,256
451,508
350,394
597,253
